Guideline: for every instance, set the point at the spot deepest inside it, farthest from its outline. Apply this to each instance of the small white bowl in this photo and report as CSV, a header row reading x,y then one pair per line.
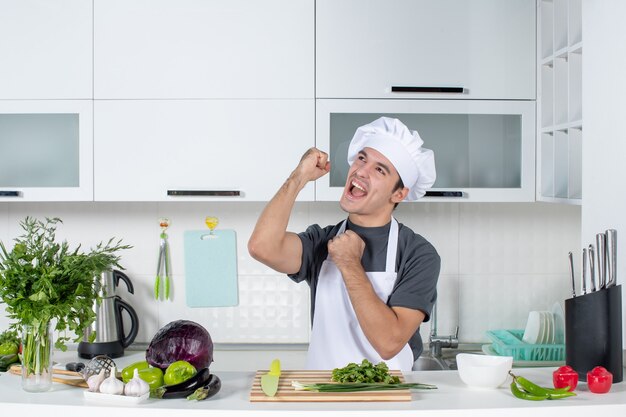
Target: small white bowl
x,y
483,371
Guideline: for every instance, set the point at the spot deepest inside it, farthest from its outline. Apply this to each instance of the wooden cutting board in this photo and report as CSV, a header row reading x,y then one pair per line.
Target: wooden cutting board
x,y
286,393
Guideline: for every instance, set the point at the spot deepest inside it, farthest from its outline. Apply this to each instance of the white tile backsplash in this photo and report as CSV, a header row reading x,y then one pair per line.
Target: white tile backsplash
x,y
499,260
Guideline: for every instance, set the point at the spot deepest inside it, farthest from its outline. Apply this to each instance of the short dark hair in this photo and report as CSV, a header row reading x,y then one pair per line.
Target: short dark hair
x,y
399,186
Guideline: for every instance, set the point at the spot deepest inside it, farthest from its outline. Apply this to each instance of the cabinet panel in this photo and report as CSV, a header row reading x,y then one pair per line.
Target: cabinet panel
x,y
46,150
46,49
144,148
560,115
487,47
484,149
204,49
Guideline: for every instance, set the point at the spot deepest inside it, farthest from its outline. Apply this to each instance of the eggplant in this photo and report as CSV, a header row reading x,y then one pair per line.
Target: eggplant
x,y
212,387
186,387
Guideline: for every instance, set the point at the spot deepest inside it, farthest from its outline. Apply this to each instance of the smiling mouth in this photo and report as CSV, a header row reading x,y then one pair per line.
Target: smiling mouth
x,y
356,190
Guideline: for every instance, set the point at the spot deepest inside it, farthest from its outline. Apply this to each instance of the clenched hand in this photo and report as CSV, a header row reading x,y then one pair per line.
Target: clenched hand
x,y
313,165
346,249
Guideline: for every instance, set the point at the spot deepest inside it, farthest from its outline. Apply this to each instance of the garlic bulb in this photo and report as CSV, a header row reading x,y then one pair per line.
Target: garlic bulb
x,y
94,381
136,387
112,385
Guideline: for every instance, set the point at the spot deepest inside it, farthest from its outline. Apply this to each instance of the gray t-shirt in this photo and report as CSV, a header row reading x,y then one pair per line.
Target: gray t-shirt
x,y
417,265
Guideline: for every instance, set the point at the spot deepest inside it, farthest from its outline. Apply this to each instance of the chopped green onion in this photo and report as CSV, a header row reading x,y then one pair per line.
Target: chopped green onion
x,y
354,387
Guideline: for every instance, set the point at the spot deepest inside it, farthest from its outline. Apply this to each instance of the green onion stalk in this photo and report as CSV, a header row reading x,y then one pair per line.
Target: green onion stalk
x,y
36,350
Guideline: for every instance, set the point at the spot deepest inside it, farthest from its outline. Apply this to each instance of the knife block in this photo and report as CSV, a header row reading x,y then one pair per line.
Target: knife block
x,y
593,332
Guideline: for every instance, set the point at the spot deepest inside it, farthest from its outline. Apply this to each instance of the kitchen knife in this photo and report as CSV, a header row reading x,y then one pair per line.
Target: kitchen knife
x,y
611,257
601,259
571,272
583,285
592,268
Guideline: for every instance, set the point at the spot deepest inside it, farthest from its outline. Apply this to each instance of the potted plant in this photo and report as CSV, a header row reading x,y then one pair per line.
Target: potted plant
x,y
44,284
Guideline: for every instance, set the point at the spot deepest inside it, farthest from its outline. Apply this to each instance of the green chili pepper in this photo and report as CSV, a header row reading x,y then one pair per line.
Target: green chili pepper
x,y
525,395
528,390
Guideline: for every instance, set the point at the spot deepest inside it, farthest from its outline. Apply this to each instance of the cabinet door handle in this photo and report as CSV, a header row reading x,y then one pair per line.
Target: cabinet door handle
x,y
10,193
407,89
444,194
204,193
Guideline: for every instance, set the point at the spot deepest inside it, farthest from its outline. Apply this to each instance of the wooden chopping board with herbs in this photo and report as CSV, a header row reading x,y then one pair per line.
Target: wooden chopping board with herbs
x,y
364,382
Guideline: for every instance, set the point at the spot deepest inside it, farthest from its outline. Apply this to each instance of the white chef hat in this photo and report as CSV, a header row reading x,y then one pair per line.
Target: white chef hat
x,y
415,165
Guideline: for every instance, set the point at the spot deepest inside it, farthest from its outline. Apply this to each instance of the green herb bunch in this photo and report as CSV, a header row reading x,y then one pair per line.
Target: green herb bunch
x,y
366,372
43,281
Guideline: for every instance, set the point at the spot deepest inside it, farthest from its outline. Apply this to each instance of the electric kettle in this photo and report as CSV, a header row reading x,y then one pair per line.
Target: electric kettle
x,y
110,337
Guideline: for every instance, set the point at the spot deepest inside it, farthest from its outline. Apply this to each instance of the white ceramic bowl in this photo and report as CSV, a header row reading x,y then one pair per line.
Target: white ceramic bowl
x,y
483,371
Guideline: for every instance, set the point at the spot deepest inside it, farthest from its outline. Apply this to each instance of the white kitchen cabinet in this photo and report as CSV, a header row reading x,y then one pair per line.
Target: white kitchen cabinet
x,y
46,150
46,49
484,149
199,150
187,49
484,48
560,118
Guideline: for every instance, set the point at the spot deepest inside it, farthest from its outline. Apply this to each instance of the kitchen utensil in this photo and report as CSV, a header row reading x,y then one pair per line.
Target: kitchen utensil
x,y
75,382
211,268
593,332
592,268
611,256
163,264
571,272
483,371
96,365
286,392
583,275
110,336
601,259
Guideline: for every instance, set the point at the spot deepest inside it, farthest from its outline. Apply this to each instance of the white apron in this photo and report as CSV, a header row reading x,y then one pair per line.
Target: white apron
x,y
337,338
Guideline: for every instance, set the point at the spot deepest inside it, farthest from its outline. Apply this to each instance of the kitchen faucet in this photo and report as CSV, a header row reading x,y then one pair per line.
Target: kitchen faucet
x,y
436,342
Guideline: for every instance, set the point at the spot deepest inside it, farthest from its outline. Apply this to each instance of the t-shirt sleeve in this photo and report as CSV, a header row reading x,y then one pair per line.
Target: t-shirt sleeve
x,y
314,251
418,272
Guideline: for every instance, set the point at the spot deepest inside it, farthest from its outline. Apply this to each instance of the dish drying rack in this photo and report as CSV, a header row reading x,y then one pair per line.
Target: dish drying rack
x,y
510,343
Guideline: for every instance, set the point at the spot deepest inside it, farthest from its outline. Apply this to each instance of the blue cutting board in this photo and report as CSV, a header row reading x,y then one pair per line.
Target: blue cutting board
x,y
211,268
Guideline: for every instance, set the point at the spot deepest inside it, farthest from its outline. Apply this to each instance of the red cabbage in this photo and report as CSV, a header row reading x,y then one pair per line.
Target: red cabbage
x,y
181,340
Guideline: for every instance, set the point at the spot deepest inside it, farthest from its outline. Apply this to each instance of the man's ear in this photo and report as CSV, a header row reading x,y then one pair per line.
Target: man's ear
x,y
399,195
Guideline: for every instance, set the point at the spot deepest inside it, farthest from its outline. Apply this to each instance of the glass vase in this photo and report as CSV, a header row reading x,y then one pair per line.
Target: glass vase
x,y
37,357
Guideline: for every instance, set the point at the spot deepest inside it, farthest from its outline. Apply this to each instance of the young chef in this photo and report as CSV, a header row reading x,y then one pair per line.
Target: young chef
x,y
373,280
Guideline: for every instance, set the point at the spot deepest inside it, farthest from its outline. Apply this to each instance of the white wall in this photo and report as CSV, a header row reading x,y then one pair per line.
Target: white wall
x,y
498,262
604,146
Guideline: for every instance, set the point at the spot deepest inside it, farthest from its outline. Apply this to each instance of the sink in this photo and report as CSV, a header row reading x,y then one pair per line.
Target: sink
x,y
447,361
428,363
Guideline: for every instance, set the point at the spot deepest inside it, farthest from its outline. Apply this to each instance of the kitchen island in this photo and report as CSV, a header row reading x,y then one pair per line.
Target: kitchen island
x,y
452,398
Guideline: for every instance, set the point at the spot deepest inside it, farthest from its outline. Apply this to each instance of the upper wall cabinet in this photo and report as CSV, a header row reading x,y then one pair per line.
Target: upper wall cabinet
x,y
560,114
199,150
46,150
467,49
203,49
45,49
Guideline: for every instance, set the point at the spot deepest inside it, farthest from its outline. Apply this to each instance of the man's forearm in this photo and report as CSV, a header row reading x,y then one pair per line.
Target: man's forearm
x,y
269,240
380,324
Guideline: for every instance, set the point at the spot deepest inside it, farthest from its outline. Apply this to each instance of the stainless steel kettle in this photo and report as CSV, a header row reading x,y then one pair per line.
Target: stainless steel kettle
x,y
110,337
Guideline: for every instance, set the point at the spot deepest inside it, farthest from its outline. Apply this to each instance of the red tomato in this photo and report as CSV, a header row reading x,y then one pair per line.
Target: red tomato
x,y
599,380
565,376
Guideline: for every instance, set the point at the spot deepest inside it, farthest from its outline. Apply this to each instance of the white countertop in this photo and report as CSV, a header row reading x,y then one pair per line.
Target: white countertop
x,y
451,397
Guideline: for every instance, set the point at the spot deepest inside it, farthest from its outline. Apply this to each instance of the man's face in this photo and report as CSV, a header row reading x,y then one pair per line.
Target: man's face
x,y
369,189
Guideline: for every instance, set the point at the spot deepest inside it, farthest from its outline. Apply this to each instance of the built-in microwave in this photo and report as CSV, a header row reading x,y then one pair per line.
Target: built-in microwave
x,y
484,149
